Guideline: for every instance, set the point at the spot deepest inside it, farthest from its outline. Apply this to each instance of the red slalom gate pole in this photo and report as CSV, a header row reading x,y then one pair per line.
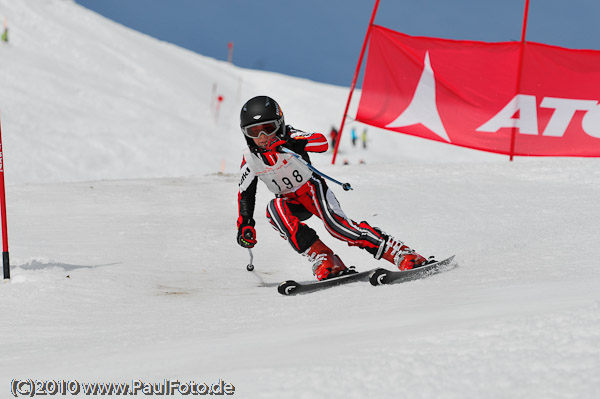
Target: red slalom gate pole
x,y
362,53
230,52
519,74
5,259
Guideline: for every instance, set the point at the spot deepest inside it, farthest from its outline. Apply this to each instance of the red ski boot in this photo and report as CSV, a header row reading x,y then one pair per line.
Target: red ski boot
x,y
401,255
325,263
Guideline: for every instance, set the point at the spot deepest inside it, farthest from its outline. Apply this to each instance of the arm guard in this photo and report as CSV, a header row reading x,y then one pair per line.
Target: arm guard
x,y
246,203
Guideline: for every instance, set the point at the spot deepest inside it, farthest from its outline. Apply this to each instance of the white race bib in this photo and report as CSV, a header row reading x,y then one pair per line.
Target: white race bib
x,y
286,176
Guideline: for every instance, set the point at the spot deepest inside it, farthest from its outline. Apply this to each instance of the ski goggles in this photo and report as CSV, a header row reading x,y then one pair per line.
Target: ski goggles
x,y
267,128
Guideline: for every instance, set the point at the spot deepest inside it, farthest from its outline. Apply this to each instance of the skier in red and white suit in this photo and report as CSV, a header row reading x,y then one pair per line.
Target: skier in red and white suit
x,y
300,193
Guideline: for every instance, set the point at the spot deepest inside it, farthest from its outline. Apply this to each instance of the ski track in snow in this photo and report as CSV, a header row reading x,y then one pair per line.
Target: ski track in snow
x,y
122,206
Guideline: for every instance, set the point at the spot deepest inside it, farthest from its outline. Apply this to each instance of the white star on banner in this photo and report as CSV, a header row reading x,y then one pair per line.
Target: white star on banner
x,y
423,109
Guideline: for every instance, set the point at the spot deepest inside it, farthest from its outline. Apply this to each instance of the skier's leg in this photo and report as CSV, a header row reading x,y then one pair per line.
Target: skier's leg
x,y
372,239
321,201
303,239
299,235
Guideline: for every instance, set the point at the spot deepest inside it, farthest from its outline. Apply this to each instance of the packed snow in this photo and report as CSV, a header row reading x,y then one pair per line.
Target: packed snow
x,y
122,200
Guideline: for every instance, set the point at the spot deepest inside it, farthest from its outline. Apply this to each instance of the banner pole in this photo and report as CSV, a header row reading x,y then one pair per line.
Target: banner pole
x,y
360,59
5,258
519,74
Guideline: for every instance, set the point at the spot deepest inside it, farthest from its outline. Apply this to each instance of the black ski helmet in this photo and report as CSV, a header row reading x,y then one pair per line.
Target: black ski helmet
x,y
261,109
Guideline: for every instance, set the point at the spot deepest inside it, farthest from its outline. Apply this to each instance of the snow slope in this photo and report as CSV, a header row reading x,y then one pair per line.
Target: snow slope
x,y
125,266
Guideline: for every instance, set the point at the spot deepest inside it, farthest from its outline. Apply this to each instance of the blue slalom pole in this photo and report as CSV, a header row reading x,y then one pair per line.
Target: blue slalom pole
x,y
345,186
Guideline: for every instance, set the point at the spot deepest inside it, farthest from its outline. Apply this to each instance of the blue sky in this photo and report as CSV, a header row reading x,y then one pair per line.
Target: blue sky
x,y
321,39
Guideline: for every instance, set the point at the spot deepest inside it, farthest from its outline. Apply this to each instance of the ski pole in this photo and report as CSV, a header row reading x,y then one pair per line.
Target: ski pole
x,y
345,186
250,266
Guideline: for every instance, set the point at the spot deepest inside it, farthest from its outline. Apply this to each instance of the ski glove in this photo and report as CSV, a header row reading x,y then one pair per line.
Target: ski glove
x,y
296,145
246,236
274,143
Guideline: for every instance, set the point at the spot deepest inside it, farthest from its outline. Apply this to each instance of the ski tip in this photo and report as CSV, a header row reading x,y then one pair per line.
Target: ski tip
x,y
447,261
287,287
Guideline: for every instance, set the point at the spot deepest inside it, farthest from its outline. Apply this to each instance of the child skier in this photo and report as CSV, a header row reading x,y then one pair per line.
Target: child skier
x,y
299,194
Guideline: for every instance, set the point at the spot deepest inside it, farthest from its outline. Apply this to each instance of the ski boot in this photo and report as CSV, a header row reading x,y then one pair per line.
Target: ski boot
x,y
325,263
401,255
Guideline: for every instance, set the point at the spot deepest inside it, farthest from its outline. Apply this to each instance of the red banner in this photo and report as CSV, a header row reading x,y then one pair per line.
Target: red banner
x,y
468,94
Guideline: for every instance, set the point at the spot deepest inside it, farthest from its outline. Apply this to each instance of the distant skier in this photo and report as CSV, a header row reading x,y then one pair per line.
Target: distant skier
x,y
299,194
364,138
4,36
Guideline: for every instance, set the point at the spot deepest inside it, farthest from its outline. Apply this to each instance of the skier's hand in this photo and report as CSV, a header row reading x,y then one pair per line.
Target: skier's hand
x,y
273,143
246,236
296,145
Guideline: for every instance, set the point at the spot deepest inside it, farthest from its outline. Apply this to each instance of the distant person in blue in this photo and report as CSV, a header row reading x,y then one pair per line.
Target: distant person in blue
x,y
353,137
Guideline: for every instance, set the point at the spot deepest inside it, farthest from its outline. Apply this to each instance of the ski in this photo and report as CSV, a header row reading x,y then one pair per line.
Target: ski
x,y
378,276
383,276
291,287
